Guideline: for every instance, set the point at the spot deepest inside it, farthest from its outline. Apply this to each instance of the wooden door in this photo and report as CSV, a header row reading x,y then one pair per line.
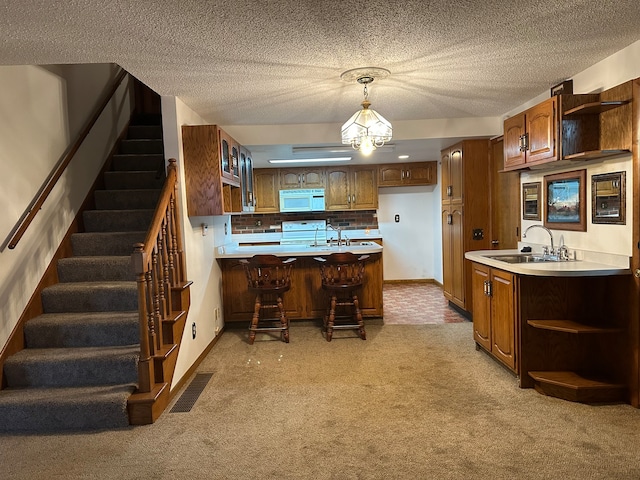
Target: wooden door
x,y
390,175
313,178
338,189
480,275
445,186
290,178
541,131
266,190
456,173
505,200
423,173
364,188
503,317
457,258
514,130
447,266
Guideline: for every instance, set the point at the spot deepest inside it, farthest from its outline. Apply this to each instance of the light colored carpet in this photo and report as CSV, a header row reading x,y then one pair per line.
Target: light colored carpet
x,y
410,402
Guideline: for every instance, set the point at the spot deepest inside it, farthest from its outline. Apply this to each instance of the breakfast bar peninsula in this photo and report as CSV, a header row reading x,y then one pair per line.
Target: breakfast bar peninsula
x,y
305,299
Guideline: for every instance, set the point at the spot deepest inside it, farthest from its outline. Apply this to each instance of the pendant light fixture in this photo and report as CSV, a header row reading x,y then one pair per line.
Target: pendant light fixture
x,y
366,130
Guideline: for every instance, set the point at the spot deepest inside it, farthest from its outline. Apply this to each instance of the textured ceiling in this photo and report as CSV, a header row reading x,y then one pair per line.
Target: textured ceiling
x,y
267,62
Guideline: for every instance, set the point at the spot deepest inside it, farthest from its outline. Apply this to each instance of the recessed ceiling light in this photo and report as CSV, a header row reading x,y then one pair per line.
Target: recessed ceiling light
x,y
403,157
309,160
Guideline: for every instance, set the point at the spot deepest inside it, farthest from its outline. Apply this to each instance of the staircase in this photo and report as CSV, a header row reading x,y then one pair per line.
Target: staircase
x,y
80,362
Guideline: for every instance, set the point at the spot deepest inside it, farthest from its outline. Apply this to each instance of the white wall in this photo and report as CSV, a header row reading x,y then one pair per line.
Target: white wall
x,y
38,121
202,268
411,246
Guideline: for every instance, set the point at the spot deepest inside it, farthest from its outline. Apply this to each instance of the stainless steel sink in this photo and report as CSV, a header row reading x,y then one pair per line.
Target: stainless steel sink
x,y
525,258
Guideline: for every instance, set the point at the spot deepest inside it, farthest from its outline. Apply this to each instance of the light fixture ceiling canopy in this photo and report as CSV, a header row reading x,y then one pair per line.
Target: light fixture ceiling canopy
x,y
366,130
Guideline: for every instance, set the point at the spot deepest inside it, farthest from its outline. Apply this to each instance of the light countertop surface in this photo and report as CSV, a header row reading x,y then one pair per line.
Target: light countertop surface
x,y
587,266
246,251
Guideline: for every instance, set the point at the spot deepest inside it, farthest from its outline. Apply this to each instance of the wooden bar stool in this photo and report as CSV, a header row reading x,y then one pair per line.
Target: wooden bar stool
x,y
268,277
342,275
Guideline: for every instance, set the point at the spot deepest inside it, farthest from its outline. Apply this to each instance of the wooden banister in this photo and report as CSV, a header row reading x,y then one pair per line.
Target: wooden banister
x,y
36,204
159,266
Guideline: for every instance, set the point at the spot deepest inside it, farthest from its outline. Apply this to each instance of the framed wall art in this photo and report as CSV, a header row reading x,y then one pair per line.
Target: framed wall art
x,y
565,207
608,198
531,201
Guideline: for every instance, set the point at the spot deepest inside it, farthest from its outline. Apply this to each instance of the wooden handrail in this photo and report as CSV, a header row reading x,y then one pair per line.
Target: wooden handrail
x,y
159,266
36,204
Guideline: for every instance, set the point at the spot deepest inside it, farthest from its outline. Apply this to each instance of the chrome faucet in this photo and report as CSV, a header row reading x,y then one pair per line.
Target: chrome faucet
x,y
338,230
524,235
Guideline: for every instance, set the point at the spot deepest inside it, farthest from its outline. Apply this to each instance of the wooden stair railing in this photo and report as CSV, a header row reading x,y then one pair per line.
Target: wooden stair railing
x,y
36,204
160,270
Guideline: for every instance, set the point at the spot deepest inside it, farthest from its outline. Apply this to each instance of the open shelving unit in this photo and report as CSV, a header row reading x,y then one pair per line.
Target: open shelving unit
x,y
598,129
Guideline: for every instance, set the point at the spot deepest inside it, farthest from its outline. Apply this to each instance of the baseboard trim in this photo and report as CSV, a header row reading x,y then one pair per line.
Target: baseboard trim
x,y
415,280
185,378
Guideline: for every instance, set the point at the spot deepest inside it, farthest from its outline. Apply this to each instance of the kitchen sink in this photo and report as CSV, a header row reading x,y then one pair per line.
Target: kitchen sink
x,y
526,258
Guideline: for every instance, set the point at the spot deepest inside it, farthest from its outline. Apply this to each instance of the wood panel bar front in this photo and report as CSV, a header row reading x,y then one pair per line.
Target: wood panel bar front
x,y
305,300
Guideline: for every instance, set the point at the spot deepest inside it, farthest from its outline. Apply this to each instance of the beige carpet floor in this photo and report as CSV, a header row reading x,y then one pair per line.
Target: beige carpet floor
x,y
410,402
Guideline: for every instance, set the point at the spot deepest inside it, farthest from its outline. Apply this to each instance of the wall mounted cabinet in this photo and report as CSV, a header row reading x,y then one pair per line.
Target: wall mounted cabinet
x,y
266,190
229,157
211,186
292,178
570,128
351,188
404,174
247,180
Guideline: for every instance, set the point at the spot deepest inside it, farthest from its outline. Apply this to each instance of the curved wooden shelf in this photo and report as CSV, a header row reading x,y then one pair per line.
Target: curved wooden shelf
x,y
570,326
594,108
577,388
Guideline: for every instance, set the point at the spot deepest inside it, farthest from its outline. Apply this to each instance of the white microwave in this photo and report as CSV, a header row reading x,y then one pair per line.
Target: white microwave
x,y
302,200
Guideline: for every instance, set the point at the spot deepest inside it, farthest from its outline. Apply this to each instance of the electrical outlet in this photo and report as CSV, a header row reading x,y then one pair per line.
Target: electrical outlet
x,y
193,330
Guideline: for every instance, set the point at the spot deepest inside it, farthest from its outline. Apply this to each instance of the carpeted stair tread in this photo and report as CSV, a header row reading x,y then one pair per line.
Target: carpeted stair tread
x,y
82,329
96,269
90,297
126,199
72,367
106,243
144,131
153,162
141,145
56,409
117,220
118,180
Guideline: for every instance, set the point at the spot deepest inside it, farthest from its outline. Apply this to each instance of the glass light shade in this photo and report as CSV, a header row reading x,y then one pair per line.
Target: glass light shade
x,y
366,130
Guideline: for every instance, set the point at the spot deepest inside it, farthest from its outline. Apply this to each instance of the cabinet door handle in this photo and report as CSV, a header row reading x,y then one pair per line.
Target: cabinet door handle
x,y
449,191
304,178
408,174
484,287
489,288
353,198
449,219
495,242
300,179
348,198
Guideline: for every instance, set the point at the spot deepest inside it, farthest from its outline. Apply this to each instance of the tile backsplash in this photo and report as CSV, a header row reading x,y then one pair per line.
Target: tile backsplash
x,y
266,223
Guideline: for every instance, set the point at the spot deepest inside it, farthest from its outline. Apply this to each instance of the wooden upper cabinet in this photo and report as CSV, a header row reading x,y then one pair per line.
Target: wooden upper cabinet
x,y
542,128
452,175
364,190
229,157
292,178
266,196
531,137
401,174
351,188
209,191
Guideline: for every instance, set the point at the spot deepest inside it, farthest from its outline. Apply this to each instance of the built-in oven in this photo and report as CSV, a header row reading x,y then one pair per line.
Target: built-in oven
x,y
302,200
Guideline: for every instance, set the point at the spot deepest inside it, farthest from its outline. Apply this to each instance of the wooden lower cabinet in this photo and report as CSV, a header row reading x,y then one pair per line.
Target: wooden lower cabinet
x,y
495,312
305,299
453,255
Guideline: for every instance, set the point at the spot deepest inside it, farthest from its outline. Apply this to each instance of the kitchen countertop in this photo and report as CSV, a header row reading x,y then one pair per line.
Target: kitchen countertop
x,y
245,251
573,268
